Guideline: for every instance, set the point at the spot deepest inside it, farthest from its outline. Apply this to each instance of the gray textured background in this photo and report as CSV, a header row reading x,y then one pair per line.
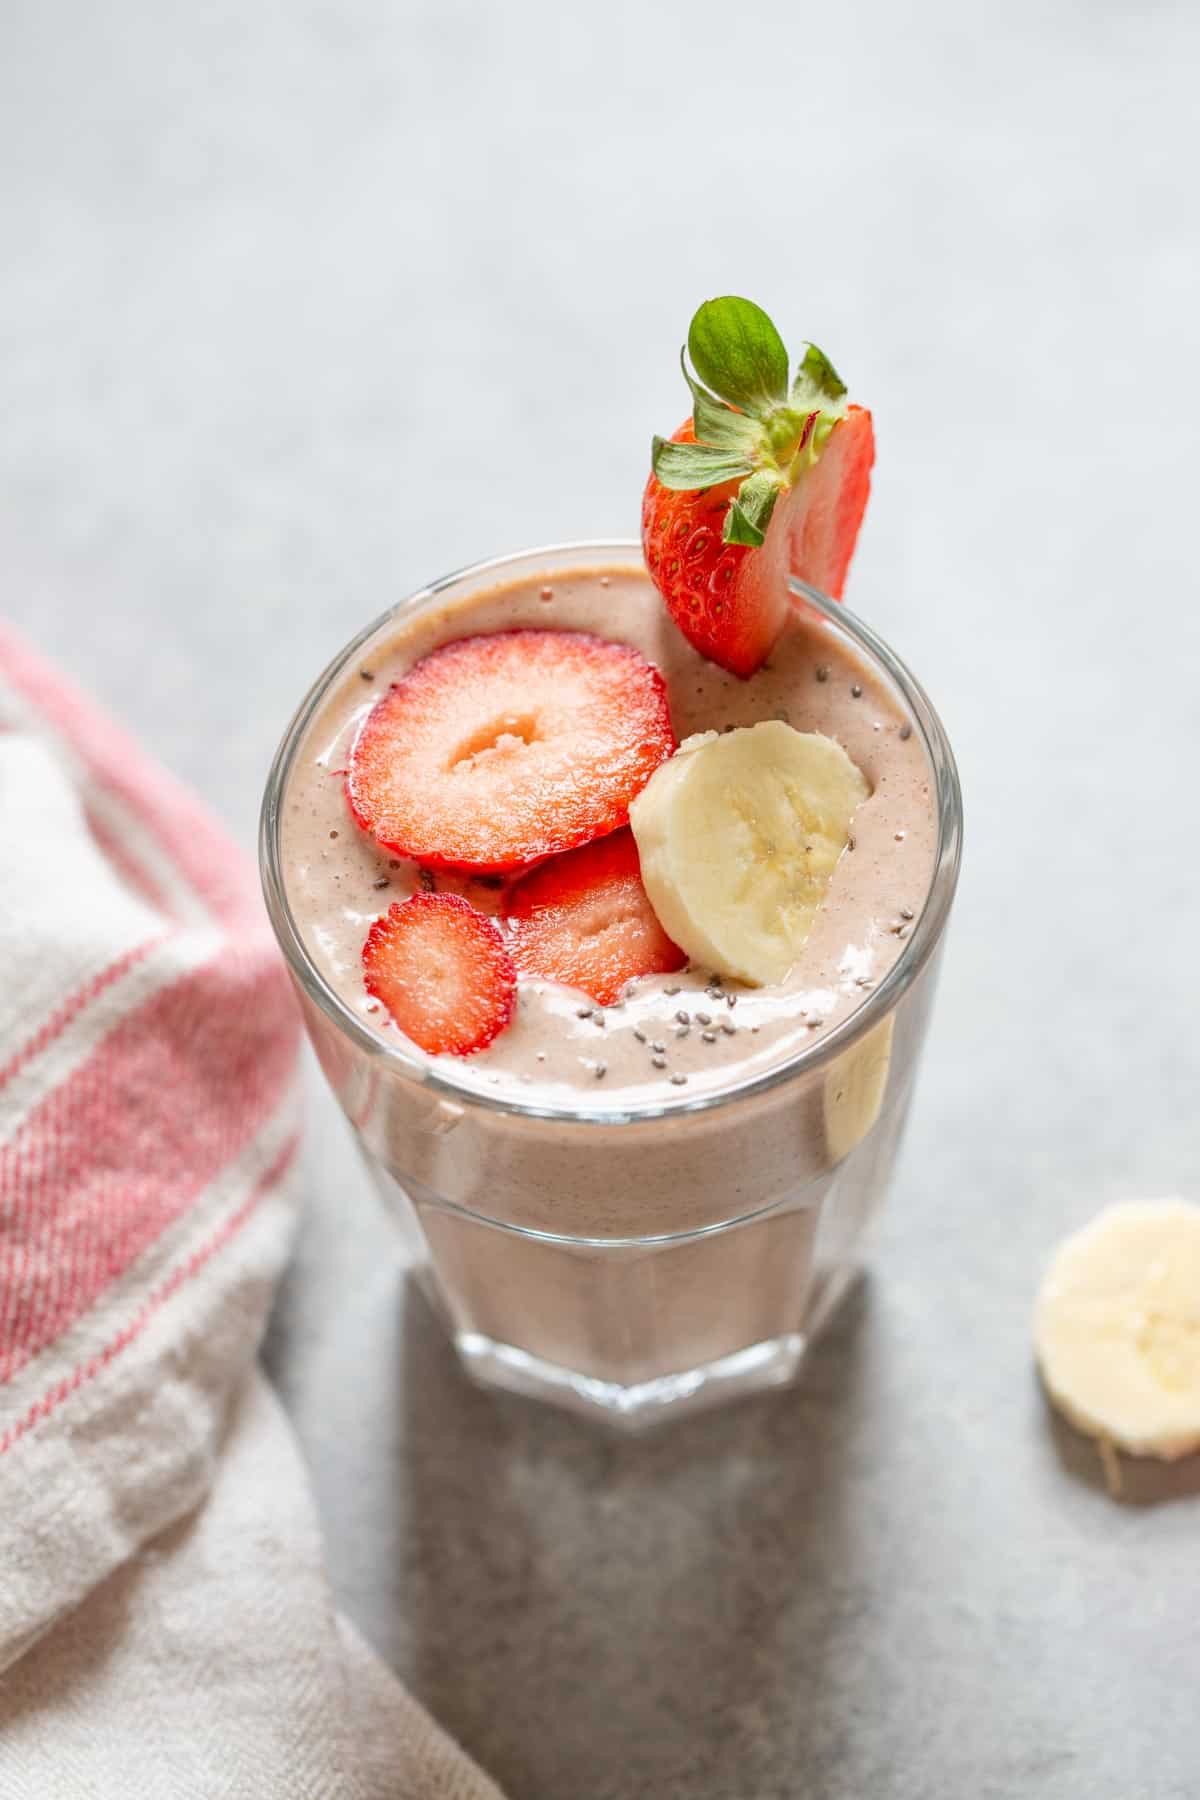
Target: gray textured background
x,y
304,304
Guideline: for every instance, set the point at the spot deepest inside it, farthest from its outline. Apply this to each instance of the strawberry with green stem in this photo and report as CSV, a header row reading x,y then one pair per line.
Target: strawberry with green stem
x,y
765,479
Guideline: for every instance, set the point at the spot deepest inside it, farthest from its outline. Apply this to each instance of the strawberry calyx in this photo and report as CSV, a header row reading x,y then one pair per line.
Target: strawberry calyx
x,y
751,425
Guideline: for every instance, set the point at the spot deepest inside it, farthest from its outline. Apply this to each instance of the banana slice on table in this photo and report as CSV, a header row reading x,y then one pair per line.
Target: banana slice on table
x,y
738,835
1117,1327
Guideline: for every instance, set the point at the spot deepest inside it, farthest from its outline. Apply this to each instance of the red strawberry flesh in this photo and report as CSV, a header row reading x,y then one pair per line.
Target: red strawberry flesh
x,y
585,920
824,529
497,751
442,971
768,479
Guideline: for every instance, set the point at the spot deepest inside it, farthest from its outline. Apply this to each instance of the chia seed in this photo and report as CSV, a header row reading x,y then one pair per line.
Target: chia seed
x,y
822,671
639,1035
709,1037
659,1062
731,999
679,1080
367,674
333,834
671,990
599,1019
382,882
906,912
728,1027
855,691
684,1018
659,1049
703,1019
905,733
600,1071
682,1031
583,1012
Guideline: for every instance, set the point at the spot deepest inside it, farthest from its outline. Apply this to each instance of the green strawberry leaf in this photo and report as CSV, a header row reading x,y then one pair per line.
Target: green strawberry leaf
x,y
715,423
738,354
749,515
687,466
818,384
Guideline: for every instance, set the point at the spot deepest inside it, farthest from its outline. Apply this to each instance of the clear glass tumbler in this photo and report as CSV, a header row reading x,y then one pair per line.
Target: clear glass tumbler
x,y
770,1183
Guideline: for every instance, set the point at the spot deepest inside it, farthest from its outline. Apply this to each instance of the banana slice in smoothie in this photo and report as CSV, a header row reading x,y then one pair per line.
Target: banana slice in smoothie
x,y
1117,1328
738,835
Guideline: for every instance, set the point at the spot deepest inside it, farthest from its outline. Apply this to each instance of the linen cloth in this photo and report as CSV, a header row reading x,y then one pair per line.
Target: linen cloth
x,y
166,1628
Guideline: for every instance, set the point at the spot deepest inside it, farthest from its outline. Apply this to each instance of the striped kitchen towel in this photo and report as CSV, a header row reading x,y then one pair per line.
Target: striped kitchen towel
x,y
165,1625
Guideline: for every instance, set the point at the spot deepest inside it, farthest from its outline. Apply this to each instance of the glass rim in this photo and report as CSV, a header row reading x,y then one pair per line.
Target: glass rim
x,y
877,1004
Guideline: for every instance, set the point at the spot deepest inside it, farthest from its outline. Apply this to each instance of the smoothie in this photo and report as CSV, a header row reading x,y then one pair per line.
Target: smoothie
x,y
684,1031
613,881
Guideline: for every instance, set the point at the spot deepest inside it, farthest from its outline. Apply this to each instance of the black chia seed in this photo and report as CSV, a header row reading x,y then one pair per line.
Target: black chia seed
x,y
906,912
659,1062
679,1080
728,1027
703,1019
683,1017
600,1071
333,834
822,671
382,882
905,733
659,1049
682,1031
367,674
583,1012
708,1037
639,1035
731,999
855,691
671,990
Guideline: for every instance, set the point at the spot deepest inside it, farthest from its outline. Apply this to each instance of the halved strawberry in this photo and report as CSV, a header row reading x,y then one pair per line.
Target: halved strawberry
x,y
497,751
760,482
585,920
442,971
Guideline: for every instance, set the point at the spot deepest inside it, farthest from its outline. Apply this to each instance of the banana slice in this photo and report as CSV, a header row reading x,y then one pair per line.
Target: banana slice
x,y
1117,1328
855,1084
738,835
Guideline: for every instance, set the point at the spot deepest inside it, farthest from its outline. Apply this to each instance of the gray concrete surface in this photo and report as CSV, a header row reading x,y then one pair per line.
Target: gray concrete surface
x,y
303,304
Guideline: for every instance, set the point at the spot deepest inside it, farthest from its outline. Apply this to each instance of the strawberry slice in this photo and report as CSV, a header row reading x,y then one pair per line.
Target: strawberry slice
x,y
585,920
441,970
760,482
497,751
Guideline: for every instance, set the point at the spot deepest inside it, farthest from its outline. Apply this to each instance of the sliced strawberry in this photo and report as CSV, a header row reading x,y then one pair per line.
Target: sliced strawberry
x,y
761,482
442,971
833,497
495,752
585,920
729,600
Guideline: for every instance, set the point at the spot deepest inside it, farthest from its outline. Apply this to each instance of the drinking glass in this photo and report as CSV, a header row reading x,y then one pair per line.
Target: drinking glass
x,y
769,1184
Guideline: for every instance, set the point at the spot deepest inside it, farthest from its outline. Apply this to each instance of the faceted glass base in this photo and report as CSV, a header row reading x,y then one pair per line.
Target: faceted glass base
x,y
772,1364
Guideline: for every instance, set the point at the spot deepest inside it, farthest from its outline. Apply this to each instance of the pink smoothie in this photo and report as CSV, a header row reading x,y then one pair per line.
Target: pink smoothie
x,y
673,1035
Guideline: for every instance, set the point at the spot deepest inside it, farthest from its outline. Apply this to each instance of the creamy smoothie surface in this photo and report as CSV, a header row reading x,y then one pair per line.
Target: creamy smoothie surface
x,y
672,1036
